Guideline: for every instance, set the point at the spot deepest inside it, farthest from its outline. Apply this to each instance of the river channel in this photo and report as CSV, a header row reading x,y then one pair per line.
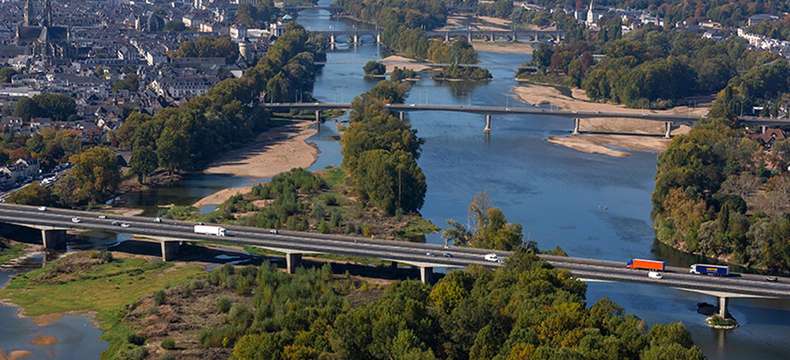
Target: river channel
x,y
589,205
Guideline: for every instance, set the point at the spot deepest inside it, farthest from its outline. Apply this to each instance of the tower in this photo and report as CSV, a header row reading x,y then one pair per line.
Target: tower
x,y
27,13
48,13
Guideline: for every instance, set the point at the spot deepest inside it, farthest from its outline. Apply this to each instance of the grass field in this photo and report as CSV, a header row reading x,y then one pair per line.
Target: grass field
x,y
76,284
10,251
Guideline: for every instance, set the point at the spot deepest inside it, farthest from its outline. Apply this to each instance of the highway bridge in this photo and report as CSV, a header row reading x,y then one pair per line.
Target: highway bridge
x,y
489,111
53,224
355,36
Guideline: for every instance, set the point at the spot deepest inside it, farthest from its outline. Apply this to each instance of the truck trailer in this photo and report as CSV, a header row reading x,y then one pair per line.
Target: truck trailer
x,y
209,230
642,264
707,269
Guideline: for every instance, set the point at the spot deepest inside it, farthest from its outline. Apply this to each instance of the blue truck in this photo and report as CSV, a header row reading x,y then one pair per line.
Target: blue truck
x,y
712,270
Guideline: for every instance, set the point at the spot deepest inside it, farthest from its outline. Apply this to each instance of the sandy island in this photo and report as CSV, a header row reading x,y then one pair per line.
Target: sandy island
x,y
606,144
14,354
275,151
393,61
503,47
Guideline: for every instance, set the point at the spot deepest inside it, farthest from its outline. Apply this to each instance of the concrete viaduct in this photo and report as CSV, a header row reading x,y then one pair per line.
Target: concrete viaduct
x,y
54,223
488,111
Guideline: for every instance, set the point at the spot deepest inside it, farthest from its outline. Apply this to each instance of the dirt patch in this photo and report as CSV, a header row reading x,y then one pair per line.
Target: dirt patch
x,y
124,211
275,151
585,144
221,196
44,340
391,62
14,354
48,319
578,101
503,47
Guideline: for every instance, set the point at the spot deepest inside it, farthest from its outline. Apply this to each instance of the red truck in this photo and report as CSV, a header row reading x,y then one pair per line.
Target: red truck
x,y
642,264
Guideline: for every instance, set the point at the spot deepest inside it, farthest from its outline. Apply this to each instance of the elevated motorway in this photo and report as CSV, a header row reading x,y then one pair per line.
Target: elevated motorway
x,y
424,256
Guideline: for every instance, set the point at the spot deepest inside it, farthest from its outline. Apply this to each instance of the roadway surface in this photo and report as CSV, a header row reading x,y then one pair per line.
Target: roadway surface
x,y
525,110
419,254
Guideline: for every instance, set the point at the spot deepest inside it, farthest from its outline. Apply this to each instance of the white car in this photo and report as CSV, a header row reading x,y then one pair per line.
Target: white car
x,y
125,225
655,275
75,220
491,257
102,217
42,208
158,220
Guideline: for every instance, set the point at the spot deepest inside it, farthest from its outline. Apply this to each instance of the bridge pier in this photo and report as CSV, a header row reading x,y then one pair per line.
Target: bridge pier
x,y
355,39
537,37
318,117
446,36
487,128
668,130
378,38
469,37
170,249
576,126
401,115
331,38
493,37
723,300
53,239
292,261
515,36
426,274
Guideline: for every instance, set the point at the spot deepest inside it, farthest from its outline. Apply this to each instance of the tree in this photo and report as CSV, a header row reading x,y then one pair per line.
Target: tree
x,y
172,149
33,194
373,67
143,162
97,171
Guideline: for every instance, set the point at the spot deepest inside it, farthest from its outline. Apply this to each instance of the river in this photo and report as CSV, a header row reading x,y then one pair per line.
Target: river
x,y
589,205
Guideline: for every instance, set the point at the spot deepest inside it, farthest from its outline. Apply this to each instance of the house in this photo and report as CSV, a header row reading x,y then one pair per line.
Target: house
x,y
767,137
758,18
21,169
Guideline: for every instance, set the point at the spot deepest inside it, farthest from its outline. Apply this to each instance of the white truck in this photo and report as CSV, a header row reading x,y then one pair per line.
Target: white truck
x,y
209,230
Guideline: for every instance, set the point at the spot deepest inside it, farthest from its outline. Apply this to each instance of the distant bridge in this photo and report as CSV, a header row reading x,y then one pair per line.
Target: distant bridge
x,y
488,111
355,35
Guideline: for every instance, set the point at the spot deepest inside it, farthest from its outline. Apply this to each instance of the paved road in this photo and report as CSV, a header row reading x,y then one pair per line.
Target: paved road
x,y
406,252
525,110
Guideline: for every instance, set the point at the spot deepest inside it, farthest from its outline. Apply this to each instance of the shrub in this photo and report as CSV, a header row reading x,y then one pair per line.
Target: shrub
x,y
135,339
135,353
159,297
223,305
168,344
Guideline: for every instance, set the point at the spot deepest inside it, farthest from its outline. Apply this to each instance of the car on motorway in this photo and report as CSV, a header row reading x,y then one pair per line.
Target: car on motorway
x,y
491,257
771,279
42,208
275,232
447,255
655,275
102,217
125,225
429,254
116,222
157,220
75,220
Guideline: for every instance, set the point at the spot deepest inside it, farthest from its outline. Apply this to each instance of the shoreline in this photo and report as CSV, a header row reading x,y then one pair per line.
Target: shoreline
x,y
273,152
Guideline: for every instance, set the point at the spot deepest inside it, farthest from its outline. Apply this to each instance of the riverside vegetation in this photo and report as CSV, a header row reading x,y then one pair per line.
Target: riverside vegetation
x,y
525,309
721,194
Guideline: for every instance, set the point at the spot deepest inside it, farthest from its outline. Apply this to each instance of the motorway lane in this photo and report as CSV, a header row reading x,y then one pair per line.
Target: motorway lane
x,y
404,251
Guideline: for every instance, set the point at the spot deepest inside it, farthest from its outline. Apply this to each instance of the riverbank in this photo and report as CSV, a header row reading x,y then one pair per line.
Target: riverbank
x,y
396,61
503,47
538,94
275,151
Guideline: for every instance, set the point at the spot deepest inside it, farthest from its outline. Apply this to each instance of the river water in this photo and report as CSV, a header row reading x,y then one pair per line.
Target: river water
x,y
589,205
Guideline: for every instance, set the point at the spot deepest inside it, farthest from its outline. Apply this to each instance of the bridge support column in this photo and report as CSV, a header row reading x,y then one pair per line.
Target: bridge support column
x,y
537,37
332,39
515,36
668,129
493,37
723,306
318,116
469,37
576,126
378,38
53,239
487,128
292,261
170,250
426,274
355,39
446,36
401,115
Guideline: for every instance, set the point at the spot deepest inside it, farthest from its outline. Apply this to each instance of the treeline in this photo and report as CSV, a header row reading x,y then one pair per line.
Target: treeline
x,y
185,137
58,107
463,72
257,15
94,175
208,46
775,29
380,152
650,67
538,313
721,194
727,12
